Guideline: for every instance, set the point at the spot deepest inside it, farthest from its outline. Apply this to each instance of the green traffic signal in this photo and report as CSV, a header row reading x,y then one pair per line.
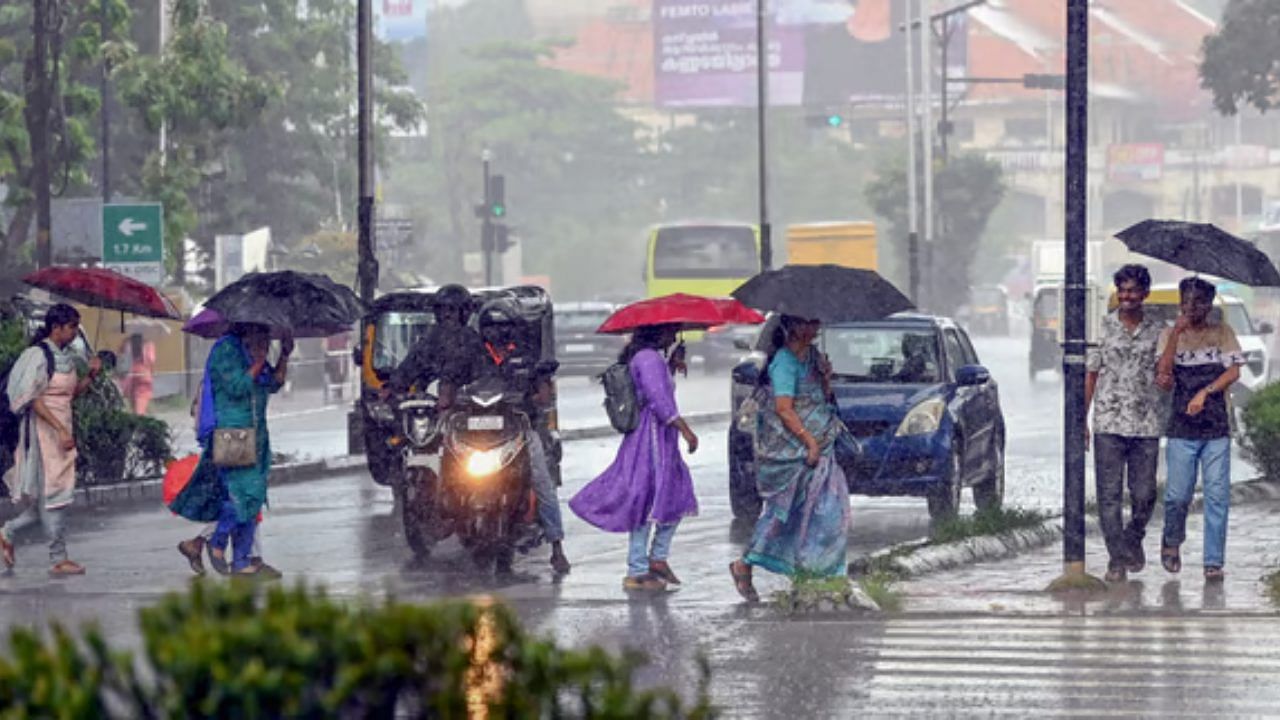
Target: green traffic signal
x,y
834,121
498,210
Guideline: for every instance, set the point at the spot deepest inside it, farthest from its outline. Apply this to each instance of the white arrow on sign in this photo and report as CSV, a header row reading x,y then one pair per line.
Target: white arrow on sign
x,y
129,226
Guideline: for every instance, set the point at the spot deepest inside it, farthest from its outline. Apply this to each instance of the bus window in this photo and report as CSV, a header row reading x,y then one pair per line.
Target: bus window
x,y
705,252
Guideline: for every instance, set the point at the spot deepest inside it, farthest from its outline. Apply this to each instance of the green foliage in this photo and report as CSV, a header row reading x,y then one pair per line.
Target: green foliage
x,y
115,445
233,651
1241,61
1271,584
13,340
1262,430
967,191
985,522
880,587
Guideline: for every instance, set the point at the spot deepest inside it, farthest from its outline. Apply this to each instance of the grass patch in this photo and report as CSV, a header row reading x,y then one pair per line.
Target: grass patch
x,y
985,522
879,586
1271,584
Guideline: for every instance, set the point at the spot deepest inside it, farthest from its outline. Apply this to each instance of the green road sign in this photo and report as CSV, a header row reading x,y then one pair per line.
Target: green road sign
x,y
132,233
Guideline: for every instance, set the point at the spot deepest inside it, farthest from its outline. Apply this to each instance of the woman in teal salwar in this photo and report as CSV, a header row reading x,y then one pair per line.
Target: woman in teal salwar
x,y
238,382
803,529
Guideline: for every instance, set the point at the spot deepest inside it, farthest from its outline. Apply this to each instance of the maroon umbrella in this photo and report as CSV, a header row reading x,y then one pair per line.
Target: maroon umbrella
x,y
103,288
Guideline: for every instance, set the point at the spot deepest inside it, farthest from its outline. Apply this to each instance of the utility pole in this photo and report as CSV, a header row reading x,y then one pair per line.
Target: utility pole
x,y
38,122
762,134
368,261
104,22
1073,356
926,139
913,239
486,225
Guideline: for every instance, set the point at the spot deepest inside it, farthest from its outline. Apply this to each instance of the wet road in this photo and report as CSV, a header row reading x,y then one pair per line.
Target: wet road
x,y
344,532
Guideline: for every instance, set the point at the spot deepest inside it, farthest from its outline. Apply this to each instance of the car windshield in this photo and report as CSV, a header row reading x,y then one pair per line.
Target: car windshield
x,y
706,252
987,296
580,321
883,354
395,335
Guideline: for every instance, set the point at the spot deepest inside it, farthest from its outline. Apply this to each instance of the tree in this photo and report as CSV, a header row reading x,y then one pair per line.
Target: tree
x,y
1241,62
75,53
967,190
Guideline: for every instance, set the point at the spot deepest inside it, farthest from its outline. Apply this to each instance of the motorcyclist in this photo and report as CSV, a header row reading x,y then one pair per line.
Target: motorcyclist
x,y
511,355
445,353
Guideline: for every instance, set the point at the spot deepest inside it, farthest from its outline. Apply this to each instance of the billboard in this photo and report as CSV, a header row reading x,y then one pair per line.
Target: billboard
x,y
1137,162
400,20
821,52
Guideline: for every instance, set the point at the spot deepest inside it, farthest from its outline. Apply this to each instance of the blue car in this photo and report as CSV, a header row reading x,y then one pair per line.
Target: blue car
x,y
910,388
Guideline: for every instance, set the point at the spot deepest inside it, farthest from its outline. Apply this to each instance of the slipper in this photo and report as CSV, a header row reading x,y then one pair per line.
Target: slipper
x,y
66,568
192,550
742,581
7,552
1171,559
219,564
1213,573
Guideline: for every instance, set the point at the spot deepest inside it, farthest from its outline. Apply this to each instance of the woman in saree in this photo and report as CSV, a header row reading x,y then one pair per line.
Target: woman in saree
x,y
238,381
42,385
804,526
647,490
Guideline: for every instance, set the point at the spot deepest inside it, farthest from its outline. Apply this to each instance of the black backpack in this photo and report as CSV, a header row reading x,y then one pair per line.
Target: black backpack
x,y
620,400
10,422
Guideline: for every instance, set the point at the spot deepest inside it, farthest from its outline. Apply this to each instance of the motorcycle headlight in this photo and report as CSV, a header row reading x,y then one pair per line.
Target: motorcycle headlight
x,y
923,419
380,411
482,463
420,429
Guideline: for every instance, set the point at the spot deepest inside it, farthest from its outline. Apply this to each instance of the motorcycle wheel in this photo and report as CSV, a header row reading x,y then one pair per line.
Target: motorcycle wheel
x,y
415,511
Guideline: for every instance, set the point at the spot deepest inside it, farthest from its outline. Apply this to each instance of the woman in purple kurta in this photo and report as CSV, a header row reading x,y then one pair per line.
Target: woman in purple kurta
x,y
648,483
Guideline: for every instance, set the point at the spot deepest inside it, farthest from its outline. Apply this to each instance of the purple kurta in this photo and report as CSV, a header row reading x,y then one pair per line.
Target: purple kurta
x,y
648,480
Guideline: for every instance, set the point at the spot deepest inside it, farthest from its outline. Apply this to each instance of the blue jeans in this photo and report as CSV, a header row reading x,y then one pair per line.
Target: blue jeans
x,y
544,488
1213,459
640,551
241,535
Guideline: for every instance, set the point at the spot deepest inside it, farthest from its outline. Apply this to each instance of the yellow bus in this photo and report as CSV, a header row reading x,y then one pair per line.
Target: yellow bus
x,y
849,244
710,259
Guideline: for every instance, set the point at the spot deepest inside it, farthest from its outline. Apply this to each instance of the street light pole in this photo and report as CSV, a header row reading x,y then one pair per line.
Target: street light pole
x,y
913,239
1073,356
926,136
486,225
368,261
762,134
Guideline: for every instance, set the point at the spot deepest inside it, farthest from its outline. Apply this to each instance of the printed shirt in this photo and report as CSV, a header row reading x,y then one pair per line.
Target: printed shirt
x,y
1201,358
1126,400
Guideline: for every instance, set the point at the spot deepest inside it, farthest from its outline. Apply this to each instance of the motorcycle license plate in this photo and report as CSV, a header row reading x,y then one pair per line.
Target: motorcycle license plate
x,y
418,461
485,422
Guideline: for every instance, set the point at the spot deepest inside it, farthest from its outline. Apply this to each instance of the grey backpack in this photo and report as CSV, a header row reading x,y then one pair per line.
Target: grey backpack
x,y
620,400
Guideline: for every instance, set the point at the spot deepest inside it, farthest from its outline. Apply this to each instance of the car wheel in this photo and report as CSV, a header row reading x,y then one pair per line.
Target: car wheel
x,y
744,499
415,511
989,494
944,502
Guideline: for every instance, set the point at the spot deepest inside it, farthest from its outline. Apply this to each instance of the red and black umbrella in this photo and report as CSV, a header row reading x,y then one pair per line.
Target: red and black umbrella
x,y
103,288
688,312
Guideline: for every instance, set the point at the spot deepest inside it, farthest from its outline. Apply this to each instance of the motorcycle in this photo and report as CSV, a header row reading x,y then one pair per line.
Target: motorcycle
x,y
483,490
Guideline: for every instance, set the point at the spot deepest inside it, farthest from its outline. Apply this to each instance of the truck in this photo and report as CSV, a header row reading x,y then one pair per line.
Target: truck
x,y
847,243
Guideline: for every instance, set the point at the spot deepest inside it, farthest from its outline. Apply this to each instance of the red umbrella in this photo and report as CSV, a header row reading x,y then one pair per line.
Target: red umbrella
x,y
689,312
103,288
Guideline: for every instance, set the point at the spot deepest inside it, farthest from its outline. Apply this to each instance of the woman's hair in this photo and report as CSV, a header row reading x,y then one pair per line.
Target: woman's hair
x,y
787,324
57,316
649,337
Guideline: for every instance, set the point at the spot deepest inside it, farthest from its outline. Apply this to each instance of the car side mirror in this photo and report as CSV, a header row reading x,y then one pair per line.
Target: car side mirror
x,y
357,355
742,344
747,373
1266,328
970,375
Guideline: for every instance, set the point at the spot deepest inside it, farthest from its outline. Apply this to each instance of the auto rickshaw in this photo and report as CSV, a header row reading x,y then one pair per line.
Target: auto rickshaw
x,y
389,330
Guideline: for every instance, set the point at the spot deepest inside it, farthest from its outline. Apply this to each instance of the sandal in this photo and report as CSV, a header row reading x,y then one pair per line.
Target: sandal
x,y
192,550
664,571
7,553
66,568
1171,559
742,581
1214,573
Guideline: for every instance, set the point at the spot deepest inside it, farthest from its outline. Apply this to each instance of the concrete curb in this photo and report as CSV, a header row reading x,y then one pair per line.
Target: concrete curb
x,y
92,498
917,558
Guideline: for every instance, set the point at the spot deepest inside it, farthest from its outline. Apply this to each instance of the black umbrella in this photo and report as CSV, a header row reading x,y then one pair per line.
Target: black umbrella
x,y
829,293
307,304
1202,248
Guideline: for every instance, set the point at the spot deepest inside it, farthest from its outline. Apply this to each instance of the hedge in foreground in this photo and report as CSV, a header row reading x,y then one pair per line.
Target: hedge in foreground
x,y
1262,430
232,651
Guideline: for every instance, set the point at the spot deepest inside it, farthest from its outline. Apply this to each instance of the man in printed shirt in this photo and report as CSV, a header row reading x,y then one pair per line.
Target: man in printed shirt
x,y
1128,419
1199,360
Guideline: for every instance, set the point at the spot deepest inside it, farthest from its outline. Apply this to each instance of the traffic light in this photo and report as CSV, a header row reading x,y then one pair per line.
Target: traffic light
x,y
835,121
825,121
496,197
1034,81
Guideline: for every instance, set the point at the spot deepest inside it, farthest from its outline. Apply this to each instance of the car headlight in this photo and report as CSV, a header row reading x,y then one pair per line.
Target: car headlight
x,y
1255,361
482,463
923,419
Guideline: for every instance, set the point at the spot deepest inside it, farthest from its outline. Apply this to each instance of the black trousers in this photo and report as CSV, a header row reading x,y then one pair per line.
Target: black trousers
x,y
1117,458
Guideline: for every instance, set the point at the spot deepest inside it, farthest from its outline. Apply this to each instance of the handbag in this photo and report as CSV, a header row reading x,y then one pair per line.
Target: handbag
x,y
237,447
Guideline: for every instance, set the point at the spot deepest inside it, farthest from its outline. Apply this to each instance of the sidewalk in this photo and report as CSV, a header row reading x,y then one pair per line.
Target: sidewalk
x,y
1015,586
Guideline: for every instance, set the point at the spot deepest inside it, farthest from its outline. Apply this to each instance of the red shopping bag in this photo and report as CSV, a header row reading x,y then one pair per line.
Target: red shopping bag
x,y
177,475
